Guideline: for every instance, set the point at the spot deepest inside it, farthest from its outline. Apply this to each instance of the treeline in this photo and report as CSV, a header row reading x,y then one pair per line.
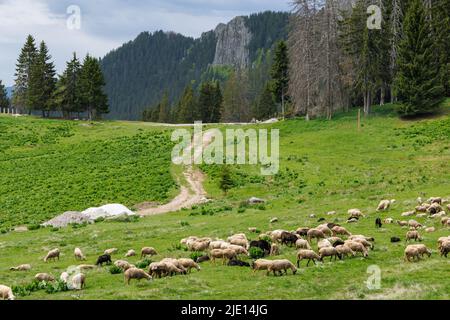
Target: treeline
x,y
337,61
4,100
78,90
228,95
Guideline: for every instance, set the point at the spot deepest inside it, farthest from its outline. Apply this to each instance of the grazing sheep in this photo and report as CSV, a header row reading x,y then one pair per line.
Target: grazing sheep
x,y
437,200
441,240
288,238
135,273
357,247
420,208
202,259
340,231
22,267
364,242
185,241
273,220
439,214
414,224
238,249
278,266
326,231
355,213
224,254
52,255
124,265
276,235
199,245
302,232
86,267
6,293
148,251
302,244
176,263
252,230
189,264
315,233
360,236
274,250
411,252
111,251
434,208
345,251
395,239
329,252
445,221
388,221
239,242
217,244
130,253
402,223
409,213
79,254
378,223
423,250
106,258
262,244
261,264
44,277
445,249
307,254
325,243
385,204
77,282
238,263
430,229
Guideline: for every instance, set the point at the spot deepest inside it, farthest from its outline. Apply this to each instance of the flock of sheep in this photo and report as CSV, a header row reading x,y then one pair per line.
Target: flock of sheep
x,y
333,241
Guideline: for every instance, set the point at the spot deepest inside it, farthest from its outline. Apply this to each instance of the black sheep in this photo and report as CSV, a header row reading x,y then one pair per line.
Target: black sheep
x,y
378,223
338,243
395,239
288,238
303,232
262,244
202,259
106,258
238,263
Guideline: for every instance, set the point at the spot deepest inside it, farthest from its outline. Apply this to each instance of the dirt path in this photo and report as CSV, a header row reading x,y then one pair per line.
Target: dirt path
x,y
192,191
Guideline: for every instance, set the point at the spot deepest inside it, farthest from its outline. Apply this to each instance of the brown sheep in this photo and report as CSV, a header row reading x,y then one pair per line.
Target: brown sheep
x,y
413,235
307,254
135,273
302,244
329,252
357,247
189,264
224,254
345,251
423,250
445,248
274,249
52,255
280,266
411,252
148,251
44,277
261,264
340,231
315,233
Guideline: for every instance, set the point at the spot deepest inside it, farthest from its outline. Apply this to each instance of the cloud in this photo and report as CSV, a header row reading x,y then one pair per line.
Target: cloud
x,y
106,24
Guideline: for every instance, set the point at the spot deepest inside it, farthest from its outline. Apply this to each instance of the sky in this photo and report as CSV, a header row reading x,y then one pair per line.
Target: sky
x,y
103,25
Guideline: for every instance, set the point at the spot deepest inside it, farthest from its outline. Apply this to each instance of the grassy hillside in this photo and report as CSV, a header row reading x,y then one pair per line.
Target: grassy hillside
x,y
325,166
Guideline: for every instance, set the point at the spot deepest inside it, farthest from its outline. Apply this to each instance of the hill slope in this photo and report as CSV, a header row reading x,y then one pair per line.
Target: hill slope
x,y
324,166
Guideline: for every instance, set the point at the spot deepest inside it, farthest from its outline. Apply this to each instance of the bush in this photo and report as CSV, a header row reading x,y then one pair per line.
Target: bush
x,y
195,255
256,253
143,264
34,227
115,270
184,223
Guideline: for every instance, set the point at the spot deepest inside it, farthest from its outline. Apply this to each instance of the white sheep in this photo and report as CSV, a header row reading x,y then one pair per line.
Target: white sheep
x,y
302,244
79,254
261,264
52,255
274,249
411,252
329,252
111,251
6,293
307,254
130,253
22,267
189,264
385,204
355,213
324,243
44,277
413,235
148,251
137,274
345,251
124,265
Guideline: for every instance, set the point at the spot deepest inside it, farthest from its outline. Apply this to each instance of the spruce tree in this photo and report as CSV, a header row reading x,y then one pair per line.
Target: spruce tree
x,y
266,107
4,101
418,83
226,181
164,109
92,82
23,69
280,74
217,103
187,106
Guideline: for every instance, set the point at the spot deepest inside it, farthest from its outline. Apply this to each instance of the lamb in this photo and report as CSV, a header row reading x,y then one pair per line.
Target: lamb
x,y
238,263
329,252
148,251
315,233
280,266
274,250
345,251
340,231
414,224
430,229
79,254
378,223
22,267
357,247
106,258
388,221
423,250
6,293
307,254
402,223
261,264
124,265
302,244
135,273
130,253
44,277
385,204
413,235
411,252
52,255
111,251
355,213
408,213
189,264
288,238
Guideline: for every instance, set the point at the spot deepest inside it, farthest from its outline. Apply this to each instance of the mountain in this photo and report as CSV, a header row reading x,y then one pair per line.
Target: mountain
x,y
139,72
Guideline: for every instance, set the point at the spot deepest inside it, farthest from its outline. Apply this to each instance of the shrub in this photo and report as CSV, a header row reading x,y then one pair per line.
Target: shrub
x,y
256,253
195,255
184,223
115,270
34,227
143,263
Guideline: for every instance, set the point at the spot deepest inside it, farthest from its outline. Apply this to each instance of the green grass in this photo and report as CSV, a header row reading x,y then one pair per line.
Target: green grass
x,y
324,166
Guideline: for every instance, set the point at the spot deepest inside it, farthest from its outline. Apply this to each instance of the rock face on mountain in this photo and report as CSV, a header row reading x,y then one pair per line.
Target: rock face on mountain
x,y
233,40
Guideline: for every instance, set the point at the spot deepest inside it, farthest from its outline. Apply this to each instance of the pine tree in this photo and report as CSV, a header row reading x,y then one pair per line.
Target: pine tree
x,y
266,107
187,106
210,102
280,74
418,82
164,109
92,83
42,81
226,181
217,100
4,101
23,69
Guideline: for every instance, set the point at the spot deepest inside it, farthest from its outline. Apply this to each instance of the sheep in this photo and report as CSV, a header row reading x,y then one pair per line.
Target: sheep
x,y
280,266
326,231
52,255
357,247
252,229
360,236
307,254
22,267
329,252
340,231
262,244
111,251
434,208
185,241
44,277
364,242
189,264
276,235
324,244
238,263
169,267
273,220
274,249
199,245
388,221
77,282
395,239
344,251
402,223
238,249
106,258
148,251
378,223
439,214
441,240
224,254
302,244
445,221
288,238
217,244
135,273
239,242
124,265
411,252
414,224
430,229
315,233
302,232
420,208
413,235
335,241
86,267
79,254
261,264
445,249
355,213
448,207
331,213
385,204
437,200
130,253
408,213
423,250
6,293
176,263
